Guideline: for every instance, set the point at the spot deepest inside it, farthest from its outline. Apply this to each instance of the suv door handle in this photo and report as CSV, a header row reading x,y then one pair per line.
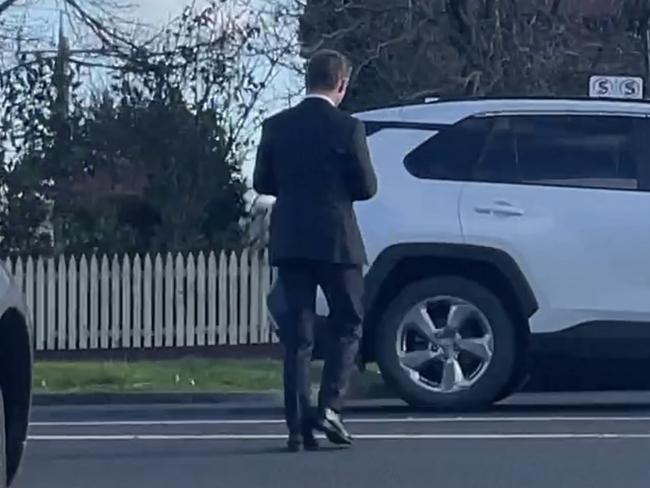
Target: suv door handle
x,y
500,208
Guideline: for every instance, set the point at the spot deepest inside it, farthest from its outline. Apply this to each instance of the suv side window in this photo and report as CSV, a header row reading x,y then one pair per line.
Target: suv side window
x,y
497,161
576,150
451,153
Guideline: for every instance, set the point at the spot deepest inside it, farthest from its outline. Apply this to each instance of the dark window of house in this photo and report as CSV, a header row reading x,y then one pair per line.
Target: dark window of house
x,y
451,153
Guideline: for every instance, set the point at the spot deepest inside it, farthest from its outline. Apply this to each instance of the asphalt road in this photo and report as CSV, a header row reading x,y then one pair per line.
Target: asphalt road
x,y
543,440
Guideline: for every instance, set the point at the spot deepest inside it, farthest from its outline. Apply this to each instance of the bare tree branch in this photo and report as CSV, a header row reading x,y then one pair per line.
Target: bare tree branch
x,y
6,4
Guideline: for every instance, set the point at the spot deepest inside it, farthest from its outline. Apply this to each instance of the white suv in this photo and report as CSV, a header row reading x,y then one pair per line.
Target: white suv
x,y
501,228
504,228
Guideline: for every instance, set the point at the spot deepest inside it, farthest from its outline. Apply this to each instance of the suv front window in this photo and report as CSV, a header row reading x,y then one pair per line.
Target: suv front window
x,y
591,151
576,150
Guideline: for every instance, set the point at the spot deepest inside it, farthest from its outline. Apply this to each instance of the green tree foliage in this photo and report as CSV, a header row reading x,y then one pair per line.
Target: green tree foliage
x,y
157,177
25,180
152,161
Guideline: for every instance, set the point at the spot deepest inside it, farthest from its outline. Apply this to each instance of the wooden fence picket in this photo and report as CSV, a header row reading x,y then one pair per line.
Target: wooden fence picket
x,y
94,304
83,303
223,299
201,324
72,326
39,313
29,287
144,301
105,303
244,324
158,314
190,303
179,270
19,275
115,304
233,277
125,323
51,306
62,290
148,303
273,277
169,301
136,301
254,300
265,279
213,291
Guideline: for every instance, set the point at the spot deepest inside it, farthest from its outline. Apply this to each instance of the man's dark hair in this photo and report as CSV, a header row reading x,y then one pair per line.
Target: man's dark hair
x,y
326,69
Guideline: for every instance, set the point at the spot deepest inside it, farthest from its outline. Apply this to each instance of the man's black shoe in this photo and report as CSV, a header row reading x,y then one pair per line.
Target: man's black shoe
x,y
294,443
332,426
310,443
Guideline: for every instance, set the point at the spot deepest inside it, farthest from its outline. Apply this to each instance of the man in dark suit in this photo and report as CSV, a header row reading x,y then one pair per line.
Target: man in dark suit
x,y
315,160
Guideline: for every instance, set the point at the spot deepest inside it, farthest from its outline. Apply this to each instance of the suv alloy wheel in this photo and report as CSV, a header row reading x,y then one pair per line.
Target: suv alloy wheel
x,y
447,343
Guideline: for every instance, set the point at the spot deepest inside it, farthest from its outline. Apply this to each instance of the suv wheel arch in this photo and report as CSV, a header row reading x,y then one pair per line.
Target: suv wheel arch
x,y
402,264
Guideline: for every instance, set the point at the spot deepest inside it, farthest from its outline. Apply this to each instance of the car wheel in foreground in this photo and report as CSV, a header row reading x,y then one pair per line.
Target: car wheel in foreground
x,y
447,343
3,444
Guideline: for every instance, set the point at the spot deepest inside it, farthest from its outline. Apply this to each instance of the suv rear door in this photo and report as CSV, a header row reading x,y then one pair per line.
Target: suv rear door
x,y
565,194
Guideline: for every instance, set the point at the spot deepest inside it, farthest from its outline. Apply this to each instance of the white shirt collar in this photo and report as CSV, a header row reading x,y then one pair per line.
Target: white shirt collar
x,y
322,97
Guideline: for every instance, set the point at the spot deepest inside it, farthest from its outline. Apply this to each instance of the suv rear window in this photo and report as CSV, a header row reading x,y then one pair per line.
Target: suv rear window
x,y
451,153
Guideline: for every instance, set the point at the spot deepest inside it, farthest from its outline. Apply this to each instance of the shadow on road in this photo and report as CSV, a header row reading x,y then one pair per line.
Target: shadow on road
x,y
568,385
280,449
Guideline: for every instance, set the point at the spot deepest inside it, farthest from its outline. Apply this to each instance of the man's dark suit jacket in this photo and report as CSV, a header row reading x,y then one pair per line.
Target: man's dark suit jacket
x,y
314,158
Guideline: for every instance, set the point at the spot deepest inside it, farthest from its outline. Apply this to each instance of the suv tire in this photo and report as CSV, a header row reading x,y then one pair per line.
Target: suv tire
x,y
3,444
479,306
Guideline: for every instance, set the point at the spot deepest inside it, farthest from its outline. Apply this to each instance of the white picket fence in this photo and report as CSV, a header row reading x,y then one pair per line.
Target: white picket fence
x,y
146,302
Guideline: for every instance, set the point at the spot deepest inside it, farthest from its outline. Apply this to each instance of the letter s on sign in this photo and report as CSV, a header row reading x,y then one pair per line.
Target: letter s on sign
x,y
630,87
603,87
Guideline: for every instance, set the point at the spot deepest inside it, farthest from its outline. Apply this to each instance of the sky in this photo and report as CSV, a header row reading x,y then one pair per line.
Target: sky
x,y
157,13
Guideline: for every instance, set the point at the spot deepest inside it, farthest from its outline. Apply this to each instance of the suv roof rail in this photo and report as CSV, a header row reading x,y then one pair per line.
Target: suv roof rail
x,y
539,97
454,98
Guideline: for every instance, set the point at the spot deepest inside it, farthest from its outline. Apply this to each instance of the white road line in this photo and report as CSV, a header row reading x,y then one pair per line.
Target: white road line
x,y
400,420
241,437
136,423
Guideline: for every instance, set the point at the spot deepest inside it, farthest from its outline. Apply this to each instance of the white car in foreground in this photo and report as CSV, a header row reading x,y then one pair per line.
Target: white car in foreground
x,y
503,228
15,378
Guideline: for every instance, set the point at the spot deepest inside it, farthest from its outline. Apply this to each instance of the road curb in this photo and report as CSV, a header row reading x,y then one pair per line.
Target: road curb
x,y
56,399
